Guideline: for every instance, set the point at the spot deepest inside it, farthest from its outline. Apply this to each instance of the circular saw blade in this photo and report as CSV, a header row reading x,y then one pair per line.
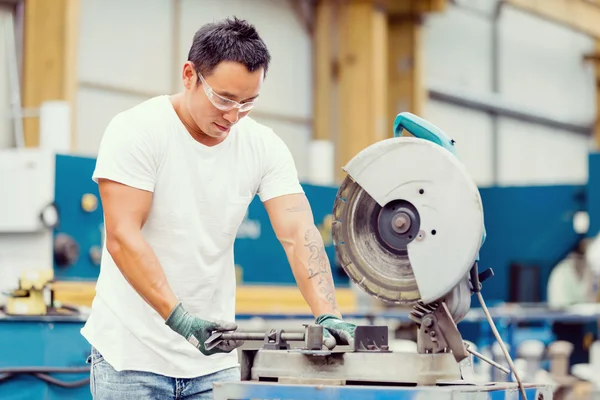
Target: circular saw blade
x,y
383,272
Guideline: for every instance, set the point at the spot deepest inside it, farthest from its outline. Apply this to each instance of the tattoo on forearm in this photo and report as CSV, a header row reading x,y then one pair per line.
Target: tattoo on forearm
x,y
318,266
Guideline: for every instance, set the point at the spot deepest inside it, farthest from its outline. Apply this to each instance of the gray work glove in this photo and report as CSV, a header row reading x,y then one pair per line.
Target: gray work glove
x,y
336,331
196,330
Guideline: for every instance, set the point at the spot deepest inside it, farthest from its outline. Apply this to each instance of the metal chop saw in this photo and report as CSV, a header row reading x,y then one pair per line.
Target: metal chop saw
x,y
408,226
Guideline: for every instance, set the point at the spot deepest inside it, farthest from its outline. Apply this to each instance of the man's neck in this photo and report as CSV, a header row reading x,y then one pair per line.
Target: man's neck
x,y
189,124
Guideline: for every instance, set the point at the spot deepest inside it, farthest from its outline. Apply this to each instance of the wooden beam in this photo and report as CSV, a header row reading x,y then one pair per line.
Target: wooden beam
x,y
406,91
49,58
595,58
579,15
323,70
362,78
399,7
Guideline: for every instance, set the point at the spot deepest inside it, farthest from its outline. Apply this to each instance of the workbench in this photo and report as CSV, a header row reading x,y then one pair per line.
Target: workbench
x,y
268,390
55,342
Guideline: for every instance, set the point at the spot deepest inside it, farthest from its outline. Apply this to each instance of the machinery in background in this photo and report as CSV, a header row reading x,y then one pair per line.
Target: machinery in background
x,y
51,219
50,229
31,297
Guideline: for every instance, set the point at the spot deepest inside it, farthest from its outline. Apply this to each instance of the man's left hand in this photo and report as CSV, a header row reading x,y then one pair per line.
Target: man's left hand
x,y
336,331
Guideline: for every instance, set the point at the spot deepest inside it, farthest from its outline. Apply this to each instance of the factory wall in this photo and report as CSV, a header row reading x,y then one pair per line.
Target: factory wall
x,y
142,54
539,68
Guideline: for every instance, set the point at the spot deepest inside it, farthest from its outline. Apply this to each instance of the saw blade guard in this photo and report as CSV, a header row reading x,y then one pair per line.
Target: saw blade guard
x,y
428,208
423,129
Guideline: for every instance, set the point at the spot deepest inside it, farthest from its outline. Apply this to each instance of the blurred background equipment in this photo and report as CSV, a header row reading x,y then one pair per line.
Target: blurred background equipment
x,y
514,82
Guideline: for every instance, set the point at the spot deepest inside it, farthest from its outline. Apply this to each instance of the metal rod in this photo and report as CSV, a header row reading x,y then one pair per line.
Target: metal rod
x,y
487,360
146,94
494,105
287,336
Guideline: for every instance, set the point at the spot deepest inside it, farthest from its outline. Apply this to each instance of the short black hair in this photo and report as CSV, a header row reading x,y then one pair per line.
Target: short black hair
x,y
231,39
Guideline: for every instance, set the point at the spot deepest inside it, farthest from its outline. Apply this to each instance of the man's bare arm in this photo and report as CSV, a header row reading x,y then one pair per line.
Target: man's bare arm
x,y
125,213
293,223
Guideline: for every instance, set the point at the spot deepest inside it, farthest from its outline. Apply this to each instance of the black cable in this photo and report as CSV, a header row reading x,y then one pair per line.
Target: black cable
x,y
43,374
44,370
58,382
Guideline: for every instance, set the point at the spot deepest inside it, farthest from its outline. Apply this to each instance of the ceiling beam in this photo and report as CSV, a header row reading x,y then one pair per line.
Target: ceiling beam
x,y
579,15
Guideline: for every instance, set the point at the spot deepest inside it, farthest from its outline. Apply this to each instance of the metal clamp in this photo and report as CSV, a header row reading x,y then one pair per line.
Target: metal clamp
x,y
437,333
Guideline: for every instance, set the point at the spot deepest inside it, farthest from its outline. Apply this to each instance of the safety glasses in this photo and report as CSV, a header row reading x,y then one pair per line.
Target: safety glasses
x,y
222,103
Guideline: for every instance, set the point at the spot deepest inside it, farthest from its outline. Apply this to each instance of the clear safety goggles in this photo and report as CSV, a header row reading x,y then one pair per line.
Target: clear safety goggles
x,y
222,103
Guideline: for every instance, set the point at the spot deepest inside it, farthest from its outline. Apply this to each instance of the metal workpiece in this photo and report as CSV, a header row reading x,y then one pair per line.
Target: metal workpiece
x,y
274,339
368,338
270,390
349,367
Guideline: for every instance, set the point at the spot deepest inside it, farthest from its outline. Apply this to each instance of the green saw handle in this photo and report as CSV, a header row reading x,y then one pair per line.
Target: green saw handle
x,y
423,129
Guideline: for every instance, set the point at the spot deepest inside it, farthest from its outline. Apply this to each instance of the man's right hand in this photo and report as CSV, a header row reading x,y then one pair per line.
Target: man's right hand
x,y
197,331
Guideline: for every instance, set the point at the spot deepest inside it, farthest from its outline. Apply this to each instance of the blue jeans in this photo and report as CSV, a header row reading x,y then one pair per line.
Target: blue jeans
x,y
107,383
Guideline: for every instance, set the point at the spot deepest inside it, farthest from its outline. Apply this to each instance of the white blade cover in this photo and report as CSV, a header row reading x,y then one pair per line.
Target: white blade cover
x,y
448,202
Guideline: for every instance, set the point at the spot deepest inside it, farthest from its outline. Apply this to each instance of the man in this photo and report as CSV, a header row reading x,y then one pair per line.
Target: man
x,y
571,281
176,175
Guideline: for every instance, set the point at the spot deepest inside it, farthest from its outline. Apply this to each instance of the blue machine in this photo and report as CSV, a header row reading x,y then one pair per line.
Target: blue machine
x,y
45,357
85,227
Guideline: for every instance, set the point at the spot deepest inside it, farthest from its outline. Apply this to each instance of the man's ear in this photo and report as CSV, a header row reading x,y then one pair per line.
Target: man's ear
x,y
189,75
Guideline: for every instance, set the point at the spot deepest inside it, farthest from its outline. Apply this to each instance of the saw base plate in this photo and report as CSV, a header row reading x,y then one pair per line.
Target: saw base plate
x,y
350,367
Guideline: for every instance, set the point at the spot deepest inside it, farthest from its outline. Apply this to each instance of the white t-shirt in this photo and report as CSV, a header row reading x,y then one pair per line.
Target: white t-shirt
x,y
200,197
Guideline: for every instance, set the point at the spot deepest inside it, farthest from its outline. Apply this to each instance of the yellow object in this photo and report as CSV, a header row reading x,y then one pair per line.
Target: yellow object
x,y
89,202
29,299
325,229
284,300
250,299
74,293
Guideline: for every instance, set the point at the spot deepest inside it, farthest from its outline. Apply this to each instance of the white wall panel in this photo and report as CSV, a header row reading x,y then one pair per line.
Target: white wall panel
x,y
457,54
134,51
541,66
6,123
95,110
531,154
472,132
126,43
296,137
456,46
